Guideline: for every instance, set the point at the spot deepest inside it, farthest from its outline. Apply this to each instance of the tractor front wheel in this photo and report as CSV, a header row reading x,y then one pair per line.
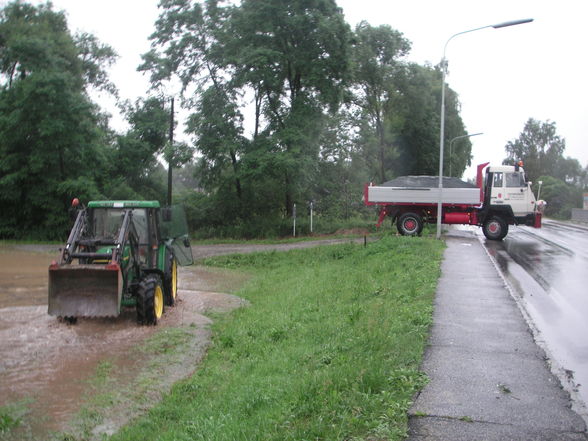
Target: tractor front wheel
x,y
149,300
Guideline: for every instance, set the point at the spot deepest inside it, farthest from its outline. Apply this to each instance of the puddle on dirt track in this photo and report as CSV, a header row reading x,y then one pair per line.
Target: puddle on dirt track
x,y
49,364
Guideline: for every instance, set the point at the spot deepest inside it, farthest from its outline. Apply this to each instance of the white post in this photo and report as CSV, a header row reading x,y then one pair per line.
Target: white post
x,y
294,217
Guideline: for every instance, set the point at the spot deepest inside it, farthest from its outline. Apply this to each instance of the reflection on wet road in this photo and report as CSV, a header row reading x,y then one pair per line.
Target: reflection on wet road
x,y
548,269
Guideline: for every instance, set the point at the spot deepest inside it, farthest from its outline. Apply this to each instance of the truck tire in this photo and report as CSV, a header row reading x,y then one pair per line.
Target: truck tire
x,y
409,224
171,280
495,228
149,300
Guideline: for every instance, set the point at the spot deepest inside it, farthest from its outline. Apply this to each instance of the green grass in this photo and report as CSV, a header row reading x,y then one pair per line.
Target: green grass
x,y
12,417
328,350
277,228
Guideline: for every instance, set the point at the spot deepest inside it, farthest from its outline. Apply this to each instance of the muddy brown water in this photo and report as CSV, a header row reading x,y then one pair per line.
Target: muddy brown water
x,y
23,277
48,366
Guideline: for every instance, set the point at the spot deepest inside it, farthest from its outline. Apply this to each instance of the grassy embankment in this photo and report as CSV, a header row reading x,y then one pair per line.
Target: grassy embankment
x,y
329,348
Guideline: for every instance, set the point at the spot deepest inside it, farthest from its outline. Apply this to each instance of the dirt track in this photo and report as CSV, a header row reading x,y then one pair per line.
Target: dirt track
x,y
52,369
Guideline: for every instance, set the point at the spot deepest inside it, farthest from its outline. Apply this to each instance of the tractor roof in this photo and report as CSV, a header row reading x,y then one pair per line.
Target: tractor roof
x,y
123,204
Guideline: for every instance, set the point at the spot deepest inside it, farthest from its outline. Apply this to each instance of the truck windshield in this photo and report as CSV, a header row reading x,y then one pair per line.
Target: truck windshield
x,y
515,179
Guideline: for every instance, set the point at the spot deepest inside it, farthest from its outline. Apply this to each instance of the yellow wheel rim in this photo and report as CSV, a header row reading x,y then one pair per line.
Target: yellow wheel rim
x,y
158,302
174,279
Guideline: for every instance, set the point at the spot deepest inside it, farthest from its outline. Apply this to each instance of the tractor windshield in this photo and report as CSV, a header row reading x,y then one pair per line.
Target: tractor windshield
x,y
106,223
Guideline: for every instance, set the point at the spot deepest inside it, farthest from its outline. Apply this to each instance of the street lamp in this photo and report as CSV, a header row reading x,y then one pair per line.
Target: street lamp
x,y
451,146
442,131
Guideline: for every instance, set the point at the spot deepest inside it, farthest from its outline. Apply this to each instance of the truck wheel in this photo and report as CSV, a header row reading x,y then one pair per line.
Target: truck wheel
x,y
409,224
149,300
495,228
171,280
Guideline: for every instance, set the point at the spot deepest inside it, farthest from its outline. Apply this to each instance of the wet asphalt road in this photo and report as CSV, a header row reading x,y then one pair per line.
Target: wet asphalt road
x,y
547,270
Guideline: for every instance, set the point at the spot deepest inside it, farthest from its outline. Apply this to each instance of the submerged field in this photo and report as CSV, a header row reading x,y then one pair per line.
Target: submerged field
x,y
329,348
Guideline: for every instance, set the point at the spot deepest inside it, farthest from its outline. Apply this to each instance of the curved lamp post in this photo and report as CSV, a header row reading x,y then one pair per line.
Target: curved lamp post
x,y
442,131
451,145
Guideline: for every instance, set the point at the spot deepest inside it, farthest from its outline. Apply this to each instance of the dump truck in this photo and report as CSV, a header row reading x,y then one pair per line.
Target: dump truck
x,y
501,197
120,254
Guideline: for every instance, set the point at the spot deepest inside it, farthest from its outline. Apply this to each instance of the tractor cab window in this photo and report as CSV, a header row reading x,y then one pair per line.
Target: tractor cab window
x,y
516,179
498,179
141,223
106,222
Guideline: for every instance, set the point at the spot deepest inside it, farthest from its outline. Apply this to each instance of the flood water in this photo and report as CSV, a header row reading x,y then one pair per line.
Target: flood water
x,y
23,277
47,365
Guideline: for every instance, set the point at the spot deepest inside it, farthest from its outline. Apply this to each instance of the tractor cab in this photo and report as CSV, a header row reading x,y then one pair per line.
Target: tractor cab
x,y
105,220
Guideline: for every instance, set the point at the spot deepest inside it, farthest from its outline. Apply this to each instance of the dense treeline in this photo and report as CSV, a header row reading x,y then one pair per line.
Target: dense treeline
x,y
55,143
287,104
290,105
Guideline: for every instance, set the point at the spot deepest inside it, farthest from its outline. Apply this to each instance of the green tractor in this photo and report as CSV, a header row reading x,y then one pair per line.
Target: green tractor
x,y
120,254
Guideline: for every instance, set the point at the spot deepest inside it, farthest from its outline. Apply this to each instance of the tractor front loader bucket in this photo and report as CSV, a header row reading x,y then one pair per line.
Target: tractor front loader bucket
x,y
85,290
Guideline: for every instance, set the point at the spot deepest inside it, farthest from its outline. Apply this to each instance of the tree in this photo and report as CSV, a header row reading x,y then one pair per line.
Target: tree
x,y
292,56
411,118
50,132
134,154
376,68
185,46
570,171
541,150
539,147
560,196
218,127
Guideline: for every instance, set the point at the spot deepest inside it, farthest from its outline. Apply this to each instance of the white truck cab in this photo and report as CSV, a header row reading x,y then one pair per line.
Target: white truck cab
x,y
509,187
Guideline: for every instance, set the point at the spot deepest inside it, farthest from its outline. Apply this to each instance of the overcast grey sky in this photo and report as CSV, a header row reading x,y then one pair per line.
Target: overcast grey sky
x,y
503,76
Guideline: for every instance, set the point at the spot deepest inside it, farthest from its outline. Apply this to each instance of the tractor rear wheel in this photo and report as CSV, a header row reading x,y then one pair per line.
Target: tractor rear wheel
x,y
149,300
171,280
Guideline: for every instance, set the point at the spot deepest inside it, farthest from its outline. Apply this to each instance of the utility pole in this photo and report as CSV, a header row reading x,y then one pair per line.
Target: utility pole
x,y
442,128
170,154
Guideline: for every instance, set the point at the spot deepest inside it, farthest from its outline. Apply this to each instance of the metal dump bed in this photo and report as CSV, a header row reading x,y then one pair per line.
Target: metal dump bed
x,y
423,190
422,195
